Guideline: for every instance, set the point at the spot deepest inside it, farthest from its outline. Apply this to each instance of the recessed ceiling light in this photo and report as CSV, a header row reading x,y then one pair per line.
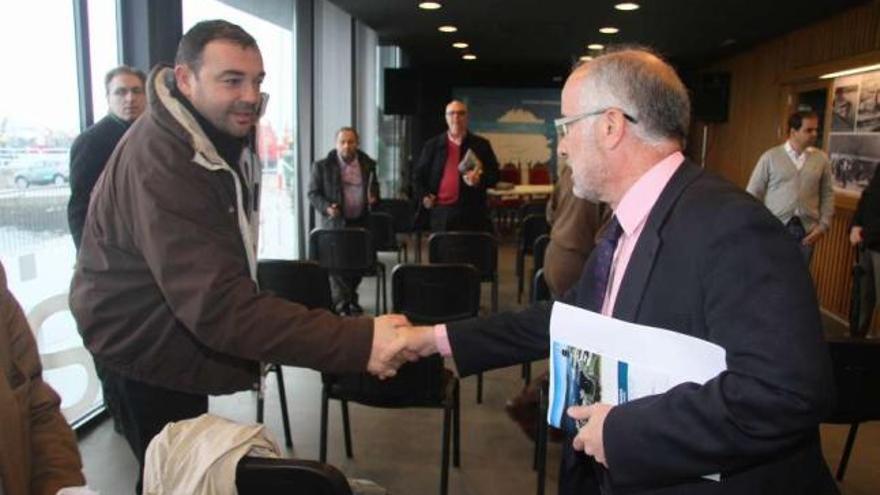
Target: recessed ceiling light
x,y
429,5
596,46
447,29
627,6
609,30
469,56
586,58
460,44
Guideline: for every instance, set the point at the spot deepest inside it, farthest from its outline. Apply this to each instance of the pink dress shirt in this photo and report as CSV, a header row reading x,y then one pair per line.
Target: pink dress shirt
x,y
632,213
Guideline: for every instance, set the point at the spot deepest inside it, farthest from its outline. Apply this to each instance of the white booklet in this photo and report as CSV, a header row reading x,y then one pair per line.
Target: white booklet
x,y
595,358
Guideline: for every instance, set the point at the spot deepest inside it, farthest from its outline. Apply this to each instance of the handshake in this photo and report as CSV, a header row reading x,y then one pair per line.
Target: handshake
x,y
397,341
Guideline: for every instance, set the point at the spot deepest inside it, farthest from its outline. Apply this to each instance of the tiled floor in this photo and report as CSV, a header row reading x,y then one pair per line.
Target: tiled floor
x,y
400,449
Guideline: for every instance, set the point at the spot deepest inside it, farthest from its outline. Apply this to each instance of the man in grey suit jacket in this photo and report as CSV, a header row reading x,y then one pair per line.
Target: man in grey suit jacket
x,y
698,256
342,189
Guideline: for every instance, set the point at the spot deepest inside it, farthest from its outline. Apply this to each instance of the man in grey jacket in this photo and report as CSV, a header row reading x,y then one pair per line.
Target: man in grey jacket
x,y
794,182
342,189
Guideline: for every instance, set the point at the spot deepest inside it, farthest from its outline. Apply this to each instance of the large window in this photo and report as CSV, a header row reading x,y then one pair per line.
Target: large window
x,y
103,50
271,24
39,118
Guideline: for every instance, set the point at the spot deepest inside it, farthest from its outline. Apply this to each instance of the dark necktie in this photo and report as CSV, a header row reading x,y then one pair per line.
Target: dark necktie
x,y
598,267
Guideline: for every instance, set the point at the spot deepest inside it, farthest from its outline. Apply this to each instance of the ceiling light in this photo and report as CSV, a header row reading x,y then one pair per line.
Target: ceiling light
x,y
469,56
609,30
586,58
849,72
447,29
460,44
596,46
627,6
429,5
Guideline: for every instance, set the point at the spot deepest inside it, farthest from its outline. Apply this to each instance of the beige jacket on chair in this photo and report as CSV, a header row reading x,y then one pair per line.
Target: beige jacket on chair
x,y
199,456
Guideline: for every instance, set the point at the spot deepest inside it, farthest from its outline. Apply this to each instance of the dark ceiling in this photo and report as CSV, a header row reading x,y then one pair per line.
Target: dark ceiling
x,y
554,33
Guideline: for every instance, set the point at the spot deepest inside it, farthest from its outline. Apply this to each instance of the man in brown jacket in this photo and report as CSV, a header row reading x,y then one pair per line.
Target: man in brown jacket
x,y
164,291
38,453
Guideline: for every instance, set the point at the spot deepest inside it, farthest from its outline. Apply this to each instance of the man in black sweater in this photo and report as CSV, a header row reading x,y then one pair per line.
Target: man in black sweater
x,y
91,149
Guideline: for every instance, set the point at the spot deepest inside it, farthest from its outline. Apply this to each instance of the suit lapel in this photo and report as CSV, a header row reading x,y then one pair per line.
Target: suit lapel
x,y
635,280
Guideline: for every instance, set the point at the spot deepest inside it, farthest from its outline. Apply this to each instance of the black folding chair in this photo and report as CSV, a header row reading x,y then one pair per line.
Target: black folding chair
x,y
856,363
403,213
381,226
262,476
479,249
303,282
538,292
425,383
532,227
349,251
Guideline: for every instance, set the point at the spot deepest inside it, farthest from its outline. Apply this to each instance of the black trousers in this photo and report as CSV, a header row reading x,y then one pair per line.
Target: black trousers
x,y
145,409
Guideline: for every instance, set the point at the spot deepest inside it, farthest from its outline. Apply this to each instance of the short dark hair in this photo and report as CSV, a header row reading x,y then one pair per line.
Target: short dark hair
x,y
123,69
348,129
796,120
191,46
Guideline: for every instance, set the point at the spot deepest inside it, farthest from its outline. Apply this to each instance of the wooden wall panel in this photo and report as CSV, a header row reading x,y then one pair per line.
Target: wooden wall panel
x,y
761,80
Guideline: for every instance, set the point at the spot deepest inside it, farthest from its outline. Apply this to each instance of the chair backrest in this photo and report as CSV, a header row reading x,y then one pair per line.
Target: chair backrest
x,y
381,226
856,364
539,247
509,173
479,249
436,293
540,291
262,476
401,210
531,208
539,174
426,294
301,281
339,250
532,227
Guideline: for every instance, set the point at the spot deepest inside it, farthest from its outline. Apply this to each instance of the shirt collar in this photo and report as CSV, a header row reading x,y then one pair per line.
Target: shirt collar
x,y
791,151
637,202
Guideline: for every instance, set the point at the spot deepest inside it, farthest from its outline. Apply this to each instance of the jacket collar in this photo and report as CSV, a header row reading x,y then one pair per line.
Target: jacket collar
x,y
641,263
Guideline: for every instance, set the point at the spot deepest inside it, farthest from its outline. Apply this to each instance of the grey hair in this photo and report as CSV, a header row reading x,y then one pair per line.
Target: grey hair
x,y
642,84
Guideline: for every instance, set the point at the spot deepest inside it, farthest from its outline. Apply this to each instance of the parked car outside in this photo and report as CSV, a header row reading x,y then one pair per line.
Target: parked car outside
x,y
40,169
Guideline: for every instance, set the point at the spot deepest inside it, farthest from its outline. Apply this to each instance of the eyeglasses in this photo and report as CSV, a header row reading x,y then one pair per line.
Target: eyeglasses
x,y
457,112
563,123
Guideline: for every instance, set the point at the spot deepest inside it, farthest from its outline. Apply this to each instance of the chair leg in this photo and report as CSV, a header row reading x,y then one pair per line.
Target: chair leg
x,y
495,295
325,399
405,252
282,396
444,456
260,398
847,450
520,261
456,427
346,428
479,388
541,442
527,372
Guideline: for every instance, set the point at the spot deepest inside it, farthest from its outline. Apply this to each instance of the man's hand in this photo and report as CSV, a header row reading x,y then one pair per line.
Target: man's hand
x,y
815,233
372,199
428,200
589,438
420,342
389,344
472,177
855,236
332,210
